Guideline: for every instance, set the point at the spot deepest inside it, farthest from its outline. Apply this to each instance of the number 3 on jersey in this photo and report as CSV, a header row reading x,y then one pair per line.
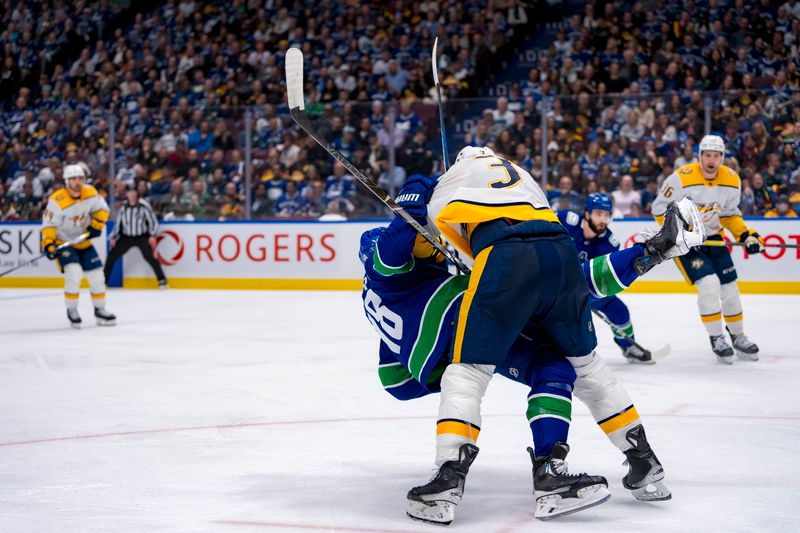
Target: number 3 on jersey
x,y
386,322
511,172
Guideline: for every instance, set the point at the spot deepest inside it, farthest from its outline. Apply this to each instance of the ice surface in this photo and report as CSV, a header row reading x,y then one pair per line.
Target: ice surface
x,y
247,411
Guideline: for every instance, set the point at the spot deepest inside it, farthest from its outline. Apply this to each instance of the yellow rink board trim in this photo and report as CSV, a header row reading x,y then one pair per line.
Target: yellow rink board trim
x,y
640,286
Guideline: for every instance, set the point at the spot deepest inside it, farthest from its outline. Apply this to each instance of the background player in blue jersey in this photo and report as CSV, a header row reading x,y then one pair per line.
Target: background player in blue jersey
x,y
411,299
594,238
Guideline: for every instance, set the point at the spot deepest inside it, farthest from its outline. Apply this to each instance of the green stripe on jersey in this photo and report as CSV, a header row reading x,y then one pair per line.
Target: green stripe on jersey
x,y
431,323
604,278
393,375
547,404
386,270
628,330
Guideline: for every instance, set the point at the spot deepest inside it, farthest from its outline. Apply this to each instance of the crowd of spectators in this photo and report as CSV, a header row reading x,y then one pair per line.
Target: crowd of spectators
x,y
623,87
175,84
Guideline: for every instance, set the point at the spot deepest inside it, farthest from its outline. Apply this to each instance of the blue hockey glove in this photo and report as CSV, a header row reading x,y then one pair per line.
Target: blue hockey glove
x,y
415,194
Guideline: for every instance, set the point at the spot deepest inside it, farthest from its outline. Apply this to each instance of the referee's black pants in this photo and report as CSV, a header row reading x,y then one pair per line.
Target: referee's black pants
x,y
126,243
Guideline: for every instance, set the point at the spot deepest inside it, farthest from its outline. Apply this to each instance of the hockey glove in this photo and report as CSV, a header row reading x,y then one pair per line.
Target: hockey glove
x,y
415,194
50,251
93,232
754,244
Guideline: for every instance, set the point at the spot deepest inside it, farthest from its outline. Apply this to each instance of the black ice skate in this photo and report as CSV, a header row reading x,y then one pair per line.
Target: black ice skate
x,y
746,349
435,501
559,493
74,318
103,317
636,355
645,477
723,350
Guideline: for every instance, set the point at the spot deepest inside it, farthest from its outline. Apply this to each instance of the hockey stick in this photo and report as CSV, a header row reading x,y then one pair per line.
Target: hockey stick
x,y
294,89
445,155
766,245
60,247
655,354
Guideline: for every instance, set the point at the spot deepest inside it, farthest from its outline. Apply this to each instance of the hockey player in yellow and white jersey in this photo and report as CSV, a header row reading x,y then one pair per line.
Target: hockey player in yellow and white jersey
x,y
716,189
70,213
526,271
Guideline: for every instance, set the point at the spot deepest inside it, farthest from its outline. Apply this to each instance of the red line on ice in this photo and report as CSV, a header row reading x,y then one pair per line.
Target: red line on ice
x,y
341,420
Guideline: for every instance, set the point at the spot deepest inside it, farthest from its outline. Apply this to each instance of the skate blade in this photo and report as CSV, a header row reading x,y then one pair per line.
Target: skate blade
x,y
744,356
652,492
554,506
439,513
725,359
635,361
76,325
104,322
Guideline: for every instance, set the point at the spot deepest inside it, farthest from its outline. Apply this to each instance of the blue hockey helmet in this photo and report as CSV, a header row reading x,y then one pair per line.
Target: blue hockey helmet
x,y
368,239
598,200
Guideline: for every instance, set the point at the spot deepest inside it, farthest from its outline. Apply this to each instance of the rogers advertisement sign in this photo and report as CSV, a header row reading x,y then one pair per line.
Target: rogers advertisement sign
x,y
256,250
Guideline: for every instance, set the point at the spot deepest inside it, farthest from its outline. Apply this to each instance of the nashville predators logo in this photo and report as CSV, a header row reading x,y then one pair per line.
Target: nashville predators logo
x,y
697,264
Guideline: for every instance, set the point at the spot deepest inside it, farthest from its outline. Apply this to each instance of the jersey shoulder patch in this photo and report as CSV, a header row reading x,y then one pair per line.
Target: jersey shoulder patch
x,y
62,199
612,239
573,218
690,175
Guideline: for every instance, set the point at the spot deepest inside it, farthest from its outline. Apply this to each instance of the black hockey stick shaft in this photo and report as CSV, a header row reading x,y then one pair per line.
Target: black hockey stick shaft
x,y
294,86
302,120
58,249
445,155
618,331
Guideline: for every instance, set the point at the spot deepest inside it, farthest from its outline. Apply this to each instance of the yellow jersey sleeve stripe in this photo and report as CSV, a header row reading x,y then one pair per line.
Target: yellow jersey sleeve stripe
x,y
466,302
101,216
619,420
48,235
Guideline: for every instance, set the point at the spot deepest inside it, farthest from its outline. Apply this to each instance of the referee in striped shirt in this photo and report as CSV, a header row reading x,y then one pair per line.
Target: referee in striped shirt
x,y
136,226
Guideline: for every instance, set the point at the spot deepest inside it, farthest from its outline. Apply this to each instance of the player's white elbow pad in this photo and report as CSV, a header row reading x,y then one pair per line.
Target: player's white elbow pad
x,y
72,278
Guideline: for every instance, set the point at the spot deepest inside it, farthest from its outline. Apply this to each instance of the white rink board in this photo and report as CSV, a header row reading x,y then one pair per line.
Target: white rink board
x,y
206,254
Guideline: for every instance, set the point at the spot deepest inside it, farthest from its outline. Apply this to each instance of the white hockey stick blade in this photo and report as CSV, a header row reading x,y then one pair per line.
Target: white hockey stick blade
x,y
294,79
553,506
439,513
661,353
433,62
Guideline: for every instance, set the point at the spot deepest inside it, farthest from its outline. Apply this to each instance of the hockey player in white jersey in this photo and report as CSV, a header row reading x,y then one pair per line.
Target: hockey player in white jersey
x,y
72,212
716,189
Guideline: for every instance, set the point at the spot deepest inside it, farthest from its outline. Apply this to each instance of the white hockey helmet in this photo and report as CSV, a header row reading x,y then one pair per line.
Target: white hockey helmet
x,y
74,171
474,151
712,143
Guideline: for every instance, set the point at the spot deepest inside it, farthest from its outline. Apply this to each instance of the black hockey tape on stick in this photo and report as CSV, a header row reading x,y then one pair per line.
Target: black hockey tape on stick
x,y
294,89
60,247
445,155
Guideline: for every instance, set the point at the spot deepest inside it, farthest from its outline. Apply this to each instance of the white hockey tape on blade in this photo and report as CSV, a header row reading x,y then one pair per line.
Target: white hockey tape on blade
x,y
433,62
294,78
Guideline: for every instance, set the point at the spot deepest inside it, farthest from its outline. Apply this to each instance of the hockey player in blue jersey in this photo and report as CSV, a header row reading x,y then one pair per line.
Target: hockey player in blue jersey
x,y
593,238
411,299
